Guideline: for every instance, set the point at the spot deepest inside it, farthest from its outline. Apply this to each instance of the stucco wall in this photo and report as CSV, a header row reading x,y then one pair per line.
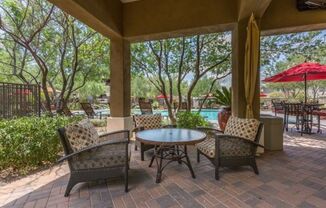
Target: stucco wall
x,y
156,16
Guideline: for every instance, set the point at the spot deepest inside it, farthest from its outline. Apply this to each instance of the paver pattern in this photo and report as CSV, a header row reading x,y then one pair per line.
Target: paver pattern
x,y
295,177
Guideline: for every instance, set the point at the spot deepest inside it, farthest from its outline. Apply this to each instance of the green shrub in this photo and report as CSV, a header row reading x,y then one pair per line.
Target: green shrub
x,y
190,120
30,141
99,122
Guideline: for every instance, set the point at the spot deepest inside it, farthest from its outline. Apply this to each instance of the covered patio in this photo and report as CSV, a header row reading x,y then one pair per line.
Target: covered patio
x,y
294,177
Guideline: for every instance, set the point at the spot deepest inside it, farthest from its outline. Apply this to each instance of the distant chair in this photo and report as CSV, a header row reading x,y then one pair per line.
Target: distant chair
x,y
295,110
319,113
43,108
145,107
278,106
66,111
145,122
89,110
183,106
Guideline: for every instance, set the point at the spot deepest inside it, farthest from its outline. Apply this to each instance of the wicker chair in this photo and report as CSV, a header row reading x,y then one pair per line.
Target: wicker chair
x,y
66,111
144,122
278,106
235,147
88,108
92,157
145,107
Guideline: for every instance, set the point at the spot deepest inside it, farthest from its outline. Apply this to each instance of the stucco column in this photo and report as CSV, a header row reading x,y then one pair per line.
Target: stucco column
x,y
239,35
120,85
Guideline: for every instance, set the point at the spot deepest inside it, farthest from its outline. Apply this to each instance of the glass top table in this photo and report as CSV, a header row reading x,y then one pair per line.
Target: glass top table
x,y
170,145
169,136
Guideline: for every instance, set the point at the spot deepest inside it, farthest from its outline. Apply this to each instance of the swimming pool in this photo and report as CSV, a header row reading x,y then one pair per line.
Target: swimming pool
x,y
208,114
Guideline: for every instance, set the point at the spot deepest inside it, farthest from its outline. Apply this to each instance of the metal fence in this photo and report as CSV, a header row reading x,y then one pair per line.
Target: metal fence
x,y
18,100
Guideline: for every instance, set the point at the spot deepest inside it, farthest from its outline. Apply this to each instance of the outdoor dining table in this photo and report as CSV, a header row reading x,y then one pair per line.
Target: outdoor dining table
x,y
306,110
170,145
309,109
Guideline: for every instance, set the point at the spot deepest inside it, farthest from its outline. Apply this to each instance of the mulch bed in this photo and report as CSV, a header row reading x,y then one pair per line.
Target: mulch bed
x,y
11,174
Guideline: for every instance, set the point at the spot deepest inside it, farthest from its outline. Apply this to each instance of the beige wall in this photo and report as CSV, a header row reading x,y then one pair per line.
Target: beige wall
x,y
147,17
153,17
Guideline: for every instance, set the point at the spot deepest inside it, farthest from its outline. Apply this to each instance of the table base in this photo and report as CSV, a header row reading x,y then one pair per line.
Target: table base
x,y
173,153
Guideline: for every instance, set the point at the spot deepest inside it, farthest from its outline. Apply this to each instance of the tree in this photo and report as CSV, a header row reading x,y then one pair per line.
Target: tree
x,y
306,46
56,50
281,52
167,64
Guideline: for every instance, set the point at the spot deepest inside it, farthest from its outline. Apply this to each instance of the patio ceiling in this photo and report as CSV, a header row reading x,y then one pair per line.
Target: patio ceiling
x,y
127,1
139,19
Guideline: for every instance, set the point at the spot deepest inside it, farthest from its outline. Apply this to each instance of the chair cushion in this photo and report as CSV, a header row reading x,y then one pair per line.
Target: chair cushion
x,y
207,147
109,156
148,121
81,135
244,128
228,147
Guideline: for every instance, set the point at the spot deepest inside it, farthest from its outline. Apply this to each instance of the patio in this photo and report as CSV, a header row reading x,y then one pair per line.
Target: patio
x,y
293,177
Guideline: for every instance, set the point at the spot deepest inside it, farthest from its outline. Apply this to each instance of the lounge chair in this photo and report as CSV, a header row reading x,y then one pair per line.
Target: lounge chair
x,y
66,111
89,110
235,147
145,107
92,157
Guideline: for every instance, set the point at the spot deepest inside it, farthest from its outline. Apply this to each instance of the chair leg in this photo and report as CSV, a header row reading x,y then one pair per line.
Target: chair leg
x,y
70,185
142,154
318,123
152,160
302,124
126,179
198,156
217,177
254,166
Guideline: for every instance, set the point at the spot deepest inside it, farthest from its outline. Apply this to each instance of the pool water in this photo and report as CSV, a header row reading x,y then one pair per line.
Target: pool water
x,y
208,114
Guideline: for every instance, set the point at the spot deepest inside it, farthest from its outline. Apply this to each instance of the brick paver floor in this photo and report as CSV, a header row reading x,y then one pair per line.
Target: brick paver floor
x,y
295,177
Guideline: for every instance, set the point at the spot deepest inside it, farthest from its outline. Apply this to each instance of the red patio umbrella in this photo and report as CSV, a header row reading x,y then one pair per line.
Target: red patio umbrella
x,y
262,94
302,72
161,96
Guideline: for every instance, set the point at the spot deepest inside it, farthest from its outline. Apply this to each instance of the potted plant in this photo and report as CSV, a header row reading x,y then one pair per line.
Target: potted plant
x,y
223,98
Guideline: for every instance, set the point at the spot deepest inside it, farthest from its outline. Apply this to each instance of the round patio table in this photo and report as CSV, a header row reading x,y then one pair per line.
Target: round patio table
x,y
170,145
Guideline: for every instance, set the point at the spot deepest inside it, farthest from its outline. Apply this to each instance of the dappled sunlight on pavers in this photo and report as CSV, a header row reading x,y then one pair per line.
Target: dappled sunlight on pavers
x,y
289,178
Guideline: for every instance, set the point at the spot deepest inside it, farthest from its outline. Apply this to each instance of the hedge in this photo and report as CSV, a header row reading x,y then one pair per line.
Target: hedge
x,y
30,141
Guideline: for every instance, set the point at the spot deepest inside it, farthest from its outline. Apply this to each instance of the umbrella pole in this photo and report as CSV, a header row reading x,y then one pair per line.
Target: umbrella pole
x,y
305,88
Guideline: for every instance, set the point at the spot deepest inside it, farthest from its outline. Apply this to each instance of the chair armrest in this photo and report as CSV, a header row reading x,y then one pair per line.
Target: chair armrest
x,y
169,126
201,128
138,128
67,157
224,136
122,135
114,132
